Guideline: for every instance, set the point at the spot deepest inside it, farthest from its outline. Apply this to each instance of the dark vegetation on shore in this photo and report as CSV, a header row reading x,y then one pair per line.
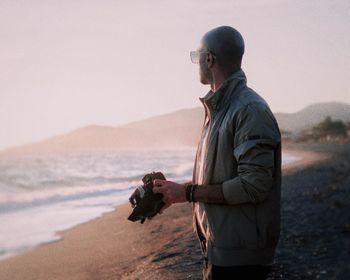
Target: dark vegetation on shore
x,y
328,130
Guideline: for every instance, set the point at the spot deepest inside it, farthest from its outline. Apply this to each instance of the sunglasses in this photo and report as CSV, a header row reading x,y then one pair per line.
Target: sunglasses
x,y
195,56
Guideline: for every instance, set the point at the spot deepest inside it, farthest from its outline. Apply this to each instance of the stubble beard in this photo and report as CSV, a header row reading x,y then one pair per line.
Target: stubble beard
x,y
205,74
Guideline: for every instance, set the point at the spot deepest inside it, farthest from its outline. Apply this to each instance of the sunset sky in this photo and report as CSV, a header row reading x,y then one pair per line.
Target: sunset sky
x,y
66,64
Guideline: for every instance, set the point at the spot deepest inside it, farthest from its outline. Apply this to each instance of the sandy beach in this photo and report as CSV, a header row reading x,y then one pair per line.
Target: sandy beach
x,y
314,242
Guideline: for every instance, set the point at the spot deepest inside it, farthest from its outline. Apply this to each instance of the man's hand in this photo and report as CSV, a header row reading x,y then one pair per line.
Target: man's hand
x,y
172,192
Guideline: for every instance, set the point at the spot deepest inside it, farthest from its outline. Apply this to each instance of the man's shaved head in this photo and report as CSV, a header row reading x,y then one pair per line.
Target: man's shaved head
x,y
227,44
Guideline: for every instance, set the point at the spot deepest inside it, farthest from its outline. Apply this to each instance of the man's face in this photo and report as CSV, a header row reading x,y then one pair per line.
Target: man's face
x,y
205,75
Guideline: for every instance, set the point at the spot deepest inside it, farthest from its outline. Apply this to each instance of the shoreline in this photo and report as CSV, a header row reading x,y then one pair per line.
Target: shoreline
x,y
104,250
307,158
290,158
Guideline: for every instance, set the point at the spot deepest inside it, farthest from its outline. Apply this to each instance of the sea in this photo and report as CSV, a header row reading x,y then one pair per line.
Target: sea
x,y
43,195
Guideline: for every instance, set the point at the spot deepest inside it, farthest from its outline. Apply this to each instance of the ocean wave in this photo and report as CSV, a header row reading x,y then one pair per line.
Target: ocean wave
x,y
20,200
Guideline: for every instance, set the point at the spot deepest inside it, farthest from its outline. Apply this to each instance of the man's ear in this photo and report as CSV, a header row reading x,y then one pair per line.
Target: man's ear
x,y
210,60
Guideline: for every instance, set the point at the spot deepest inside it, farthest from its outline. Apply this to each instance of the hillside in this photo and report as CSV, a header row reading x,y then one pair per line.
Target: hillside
x,y
312,115
177,129
174,130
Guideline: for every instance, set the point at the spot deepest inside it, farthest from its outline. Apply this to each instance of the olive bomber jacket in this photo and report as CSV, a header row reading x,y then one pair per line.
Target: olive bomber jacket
x,y
243,153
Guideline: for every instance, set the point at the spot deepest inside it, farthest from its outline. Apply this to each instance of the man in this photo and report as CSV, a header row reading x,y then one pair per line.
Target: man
x,y
236,182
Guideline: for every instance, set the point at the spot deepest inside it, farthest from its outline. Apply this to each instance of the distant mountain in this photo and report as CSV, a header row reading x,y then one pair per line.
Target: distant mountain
x,y
178,129
312,115
174,130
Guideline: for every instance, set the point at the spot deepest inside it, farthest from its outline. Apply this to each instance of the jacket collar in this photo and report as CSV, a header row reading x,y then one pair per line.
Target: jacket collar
x,y
212,100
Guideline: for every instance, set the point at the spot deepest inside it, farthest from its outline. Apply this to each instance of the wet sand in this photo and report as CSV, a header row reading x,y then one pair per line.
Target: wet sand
x,y
314,239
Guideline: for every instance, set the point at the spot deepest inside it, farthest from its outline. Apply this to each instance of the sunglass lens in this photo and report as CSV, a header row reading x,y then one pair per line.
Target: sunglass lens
x,y
194,56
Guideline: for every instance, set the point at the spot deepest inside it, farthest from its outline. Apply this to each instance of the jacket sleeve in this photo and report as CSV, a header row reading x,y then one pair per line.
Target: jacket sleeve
x,y
256,137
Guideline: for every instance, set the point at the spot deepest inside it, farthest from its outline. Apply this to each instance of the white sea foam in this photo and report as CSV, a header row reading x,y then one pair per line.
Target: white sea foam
x,y
59,193
24,229
288,158
184,168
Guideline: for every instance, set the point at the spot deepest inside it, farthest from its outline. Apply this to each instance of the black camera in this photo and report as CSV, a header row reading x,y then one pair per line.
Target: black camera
x,y
146,203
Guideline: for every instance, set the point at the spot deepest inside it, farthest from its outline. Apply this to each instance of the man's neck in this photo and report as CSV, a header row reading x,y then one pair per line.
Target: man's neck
x,y
218,79
217,82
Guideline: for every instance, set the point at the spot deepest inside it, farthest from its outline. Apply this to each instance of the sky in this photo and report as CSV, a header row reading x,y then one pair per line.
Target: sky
x,y
66,64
